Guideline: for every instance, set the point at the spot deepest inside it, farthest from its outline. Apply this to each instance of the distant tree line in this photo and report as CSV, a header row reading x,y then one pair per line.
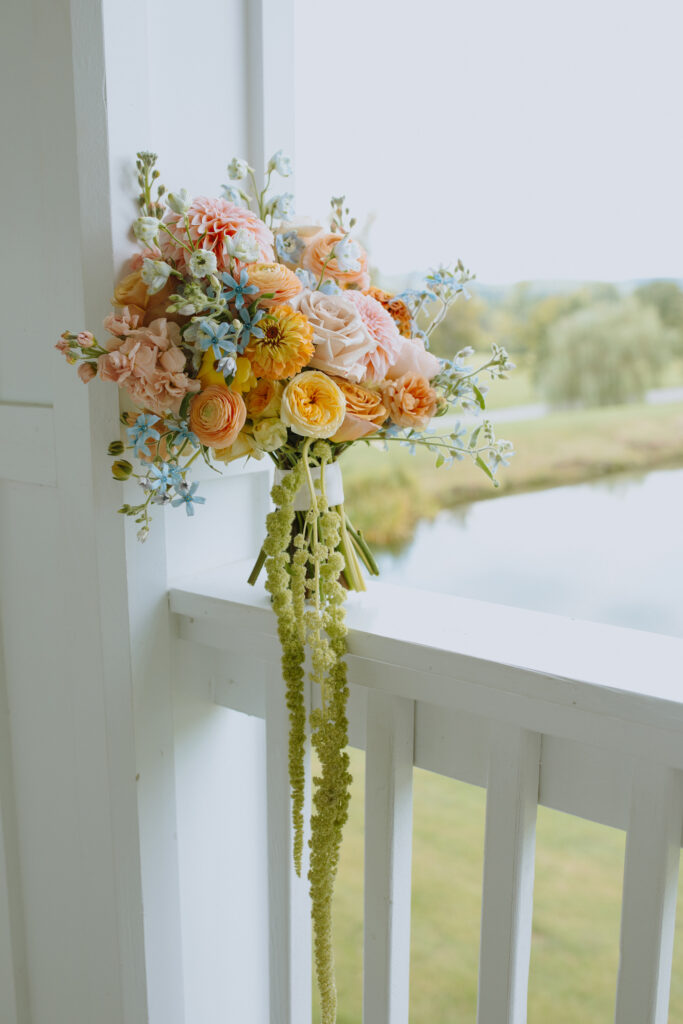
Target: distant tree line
x,y
595,344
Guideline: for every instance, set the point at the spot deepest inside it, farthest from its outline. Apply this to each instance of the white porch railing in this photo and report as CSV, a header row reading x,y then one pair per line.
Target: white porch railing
x,y
583,718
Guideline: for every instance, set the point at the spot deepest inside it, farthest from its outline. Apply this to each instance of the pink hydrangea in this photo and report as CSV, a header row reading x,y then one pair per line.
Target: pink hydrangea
x,y
150,365
382,328
212,221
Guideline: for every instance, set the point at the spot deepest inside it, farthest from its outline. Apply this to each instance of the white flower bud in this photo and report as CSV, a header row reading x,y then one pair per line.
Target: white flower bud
x,y
146,230
155,274
179,201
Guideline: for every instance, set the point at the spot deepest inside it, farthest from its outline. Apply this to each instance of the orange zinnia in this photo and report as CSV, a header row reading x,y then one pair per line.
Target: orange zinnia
x,y
286,345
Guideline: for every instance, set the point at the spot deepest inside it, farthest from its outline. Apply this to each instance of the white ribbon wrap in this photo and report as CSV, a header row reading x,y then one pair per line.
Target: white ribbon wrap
x,y
334,486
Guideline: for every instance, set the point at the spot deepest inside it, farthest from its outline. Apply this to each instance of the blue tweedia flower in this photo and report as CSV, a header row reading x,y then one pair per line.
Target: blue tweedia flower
x,y
175,473
237,290
159,477
218,337
141,432
184,434
289,247
251,328
330,288
306,278
186,496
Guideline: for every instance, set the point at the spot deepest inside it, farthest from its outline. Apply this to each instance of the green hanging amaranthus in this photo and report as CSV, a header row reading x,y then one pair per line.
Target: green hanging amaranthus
x,y
304,572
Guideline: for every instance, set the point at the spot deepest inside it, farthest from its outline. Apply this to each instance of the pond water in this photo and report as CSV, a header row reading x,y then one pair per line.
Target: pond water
x,y
607,551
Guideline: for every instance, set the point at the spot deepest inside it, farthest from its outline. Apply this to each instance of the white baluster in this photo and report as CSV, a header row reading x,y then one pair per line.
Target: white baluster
x,y
508,888
648,915
289,905
388,852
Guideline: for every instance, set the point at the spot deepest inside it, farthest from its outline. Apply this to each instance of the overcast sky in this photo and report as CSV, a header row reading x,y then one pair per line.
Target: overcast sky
x,y
532,138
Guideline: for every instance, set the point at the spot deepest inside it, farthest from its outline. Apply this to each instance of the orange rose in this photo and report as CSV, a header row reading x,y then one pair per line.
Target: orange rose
x,y
132,292
410,400
286,345
317,252
264,399
364,411
276,283
217,415
397,310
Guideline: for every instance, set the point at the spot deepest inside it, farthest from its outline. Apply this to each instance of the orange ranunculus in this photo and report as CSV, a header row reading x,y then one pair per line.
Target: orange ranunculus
x,y
286,345
264,399
410,400
217,415
365,411
275,282
318,251
313,405
396,309
132,291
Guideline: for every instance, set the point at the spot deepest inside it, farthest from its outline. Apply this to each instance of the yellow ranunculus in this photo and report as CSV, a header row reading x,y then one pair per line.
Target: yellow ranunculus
x,y
313,405
244,378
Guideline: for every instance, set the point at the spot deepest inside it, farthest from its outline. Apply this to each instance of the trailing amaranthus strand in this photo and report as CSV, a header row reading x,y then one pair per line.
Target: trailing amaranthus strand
x,y
327,638
287,605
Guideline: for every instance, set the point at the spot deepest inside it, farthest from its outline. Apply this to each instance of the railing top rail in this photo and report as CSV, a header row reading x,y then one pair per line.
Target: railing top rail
x,y
450,643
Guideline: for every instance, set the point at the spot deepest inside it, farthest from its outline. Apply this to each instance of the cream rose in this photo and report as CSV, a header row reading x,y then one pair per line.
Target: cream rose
x,y
313,405
342,341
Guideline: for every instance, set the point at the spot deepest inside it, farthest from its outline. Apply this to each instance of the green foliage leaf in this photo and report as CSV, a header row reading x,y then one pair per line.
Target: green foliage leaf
x,y
486,469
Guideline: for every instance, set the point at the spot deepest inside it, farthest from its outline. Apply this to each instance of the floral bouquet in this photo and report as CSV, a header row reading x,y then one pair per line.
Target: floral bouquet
x,y
241,333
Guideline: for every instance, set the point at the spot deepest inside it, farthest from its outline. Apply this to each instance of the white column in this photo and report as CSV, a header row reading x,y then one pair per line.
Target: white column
x,y
388,857
508,888
648,914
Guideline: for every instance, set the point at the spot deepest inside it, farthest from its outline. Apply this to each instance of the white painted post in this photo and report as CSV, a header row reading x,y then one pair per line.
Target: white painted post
x,y
508,887
289,904
388,856
13,979
653,849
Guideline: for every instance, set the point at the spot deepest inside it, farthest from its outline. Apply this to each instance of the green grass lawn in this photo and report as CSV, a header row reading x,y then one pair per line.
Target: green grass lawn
x,y
579,870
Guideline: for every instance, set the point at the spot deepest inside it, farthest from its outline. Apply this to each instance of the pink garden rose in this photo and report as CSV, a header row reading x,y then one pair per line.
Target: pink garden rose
x,y
213,220
413,358
149,364
383,329
342,341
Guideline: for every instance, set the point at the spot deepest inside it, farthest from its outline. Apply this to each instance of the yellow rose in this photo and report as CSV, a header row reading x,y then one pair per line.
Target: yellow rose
x,y
313,405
